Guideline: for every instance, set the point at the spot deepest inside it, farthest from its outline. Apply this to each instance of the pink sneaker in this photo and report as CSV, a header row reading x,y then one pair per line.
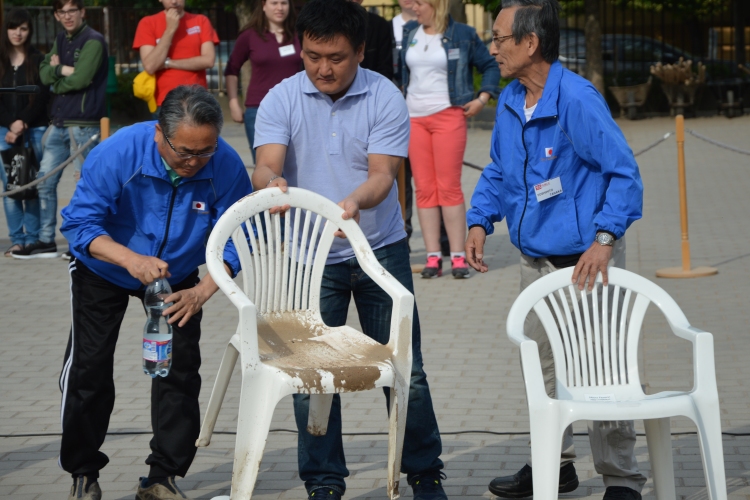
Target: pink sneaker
x,y
459,267
433,268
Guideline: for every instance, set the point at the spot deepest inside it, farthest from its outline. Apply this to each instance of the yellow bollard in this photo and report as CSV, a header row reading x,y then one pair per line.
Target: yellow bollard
x,y
104,128
685,271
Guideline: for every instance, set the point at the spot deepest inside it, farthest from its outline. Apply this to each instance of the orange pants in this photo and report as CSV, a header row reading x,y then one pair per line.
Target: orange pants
x,y
436,152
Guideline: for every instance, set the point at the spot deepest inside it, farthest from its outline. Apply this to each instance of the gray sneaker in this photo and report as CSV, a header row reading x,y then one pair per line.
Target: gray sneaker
x,y
167,490
85,488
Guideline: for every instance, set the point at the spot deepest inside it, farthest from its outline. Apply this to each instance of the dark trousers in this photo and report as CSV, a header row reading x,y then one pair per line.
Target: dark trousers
x,y
321,458
88,389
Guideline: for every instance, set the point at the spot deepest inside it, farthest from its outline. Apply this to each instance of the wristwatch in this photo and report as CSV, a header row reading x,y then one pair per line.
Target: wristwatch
x,y
166,63
605,239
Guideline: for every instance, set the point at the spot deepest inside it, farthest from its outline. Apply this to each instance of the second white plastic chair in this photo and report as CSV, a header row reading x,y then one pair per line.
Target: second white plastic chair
x,y
594,339
282,342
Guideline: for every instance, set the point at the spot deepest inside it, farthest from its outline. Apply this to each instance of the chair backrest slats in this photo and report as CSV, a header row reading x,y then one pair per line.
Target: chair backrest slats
x,y
240,243
578,328
605,336
262,300
622,333
324,246
294,245
256,266
309,261
594,335
284,305
594,377
613,336
304,248
278,250
568,340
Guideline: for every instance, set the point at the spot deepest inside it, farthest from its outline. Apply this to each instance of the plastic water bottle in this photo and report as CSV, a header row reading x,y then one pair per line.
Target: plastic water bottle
x,y
157,333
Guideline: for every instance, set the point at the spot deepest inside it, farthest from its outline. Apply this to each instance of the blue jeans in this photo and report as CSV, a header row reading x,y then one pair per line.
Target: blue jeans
x,y
22,216
57,148
321,459
250,114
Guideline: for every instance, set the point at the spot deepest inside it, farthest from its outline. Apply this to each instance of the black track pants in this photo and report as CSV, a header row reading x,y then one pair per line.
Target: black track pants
x,y
88,389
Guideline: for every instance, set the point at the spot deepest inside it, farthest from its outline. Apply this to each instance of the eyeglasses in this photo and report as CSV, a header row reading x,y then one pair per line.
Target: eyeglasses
x,y
67,13
498,40
188,156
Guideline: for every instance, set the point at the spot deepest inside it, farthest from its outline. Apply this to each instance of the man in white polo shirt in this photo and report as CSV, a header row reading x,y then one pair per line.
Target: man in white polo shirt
x,y
341,131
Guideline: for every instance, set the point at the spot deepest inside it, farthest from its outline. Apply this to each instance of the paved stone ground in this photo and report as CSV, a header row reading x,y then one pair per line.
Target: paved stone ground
x,y
473,369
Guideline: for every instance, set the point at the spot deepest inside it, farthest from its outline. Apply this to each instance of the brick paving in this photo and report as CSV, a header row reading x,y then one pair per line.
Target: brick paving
x,y
472,368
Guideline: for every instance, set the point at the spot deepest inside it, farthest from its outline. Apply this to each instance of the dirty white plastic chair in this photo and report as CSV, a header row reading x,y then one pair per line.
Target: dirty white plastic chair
x,y
283,344
596,372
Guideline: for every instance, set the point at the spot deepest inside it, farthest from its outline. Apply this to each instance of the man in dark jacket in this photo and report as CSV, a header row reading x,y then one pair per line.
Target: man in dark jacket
x,y
76,69
144,207
378,45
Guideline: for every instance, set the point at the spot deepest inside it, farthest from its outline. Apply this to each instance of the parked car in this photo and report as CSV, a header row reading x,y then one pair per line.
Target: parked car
x,y
628,58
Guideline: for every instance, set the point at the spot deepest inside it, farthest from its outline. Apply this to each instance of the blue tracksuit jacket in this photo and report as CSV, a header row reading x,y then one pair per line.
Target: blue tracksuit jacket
x,y
125,192
571,136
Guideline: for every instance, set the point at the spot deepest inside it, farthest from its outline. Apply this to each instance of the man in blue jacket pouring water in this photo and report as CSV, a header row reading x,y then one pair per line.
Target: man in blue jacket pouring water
x,y
566,181
144,209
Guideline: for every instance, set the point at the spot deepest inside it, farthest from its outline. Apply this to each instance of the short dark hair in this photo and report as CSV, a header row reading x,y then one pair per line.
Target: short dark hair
x,y
541,17
324,20
59,4
189,105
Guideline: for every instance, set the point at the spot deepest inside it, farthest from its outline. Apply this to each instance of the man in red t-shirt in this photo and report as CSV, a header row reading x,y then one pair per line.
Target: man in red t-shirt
x,y
176,46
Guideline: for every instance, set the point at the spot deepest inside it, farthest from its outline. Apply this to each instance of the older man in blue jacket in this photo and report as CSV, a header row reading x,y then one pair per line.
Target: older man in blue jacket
x,y
566,181
143,210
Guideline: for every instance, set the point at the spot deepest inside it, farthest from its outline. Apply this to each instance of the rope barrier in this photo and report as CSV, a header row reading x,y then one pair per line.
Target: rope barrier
x,y
717,143
54,170
652,146
647,148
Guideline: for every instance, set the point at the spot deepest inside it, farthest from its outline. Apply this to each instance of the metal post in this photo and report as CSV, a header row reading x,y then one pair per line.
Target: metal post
x,y
685,271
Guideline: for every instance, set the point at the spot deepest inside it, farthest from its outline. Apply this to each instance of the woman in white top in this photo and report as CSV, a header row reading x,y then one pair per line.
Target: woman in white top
x,y
437,61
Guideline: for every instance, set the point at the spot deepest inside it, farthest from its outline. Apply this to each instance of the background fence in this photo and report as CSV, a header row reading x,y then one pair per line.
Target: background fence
x,y
636,34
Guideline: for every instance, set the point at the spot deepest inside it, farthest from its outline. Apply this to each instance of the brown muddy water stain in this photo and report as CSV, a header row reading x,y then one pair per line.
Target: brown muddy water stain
x,y
303,348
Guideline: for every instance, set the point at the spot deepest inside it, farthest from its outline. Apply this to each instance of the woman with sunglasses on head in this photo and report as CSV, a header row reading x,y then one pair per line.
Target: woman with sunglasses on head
x,y
437,62
268,41
21,116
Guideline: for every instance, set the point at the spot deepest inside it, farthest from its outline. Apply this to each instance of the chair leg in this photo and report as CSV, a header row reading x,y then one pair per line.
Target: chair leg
x,y
217,395
712,449
399,401
260,394
546,444
320,409
659,439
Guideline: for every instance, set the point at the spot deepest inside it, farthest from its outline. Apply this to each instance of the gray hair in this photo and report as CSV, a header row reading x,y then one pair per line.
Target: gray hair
x,y
541,17
191,105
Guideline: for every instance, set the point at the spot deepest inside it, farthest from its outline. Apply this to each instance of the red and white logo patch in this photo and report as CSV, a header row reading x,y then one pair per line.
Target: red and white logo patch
x,y
200,206
548,152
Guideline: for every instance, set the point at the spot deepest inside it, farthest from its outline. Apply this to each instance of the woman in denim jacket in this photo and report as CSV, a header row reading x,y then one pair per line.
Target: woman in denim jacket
x,y
437,59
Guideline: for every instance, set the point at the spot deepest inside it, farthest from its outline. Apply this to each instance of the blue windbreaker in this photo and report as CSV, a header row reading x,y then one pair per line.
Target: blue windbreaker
x,y
571,135
125,192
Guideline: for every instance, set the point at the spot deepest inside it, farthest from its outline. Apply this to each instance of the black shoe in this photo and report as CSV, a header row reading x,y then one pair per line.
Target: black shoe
x,y
38,250
520,485
621,493
428,486
85,488
324,493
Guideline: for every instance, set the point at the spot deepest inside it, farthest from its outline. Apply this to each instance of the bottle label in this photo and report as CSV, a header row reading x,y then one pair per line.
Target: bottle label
x,y
158,351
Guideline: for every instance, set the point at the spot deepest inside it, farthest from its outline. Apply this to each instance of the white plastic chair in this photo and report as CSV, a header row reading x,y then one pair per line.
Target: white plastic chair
x,y
596,372
283,344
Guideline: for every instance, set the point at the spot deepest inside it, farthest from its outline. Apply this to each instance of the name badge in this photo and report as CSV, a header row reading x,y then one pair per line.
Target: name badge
x,y
454,54
548,189
286,50
193,30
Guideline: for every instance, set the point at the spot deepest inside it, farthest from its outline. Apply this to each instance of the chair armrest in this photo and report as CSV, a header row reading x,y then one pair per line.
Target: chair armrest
x,y
531,367
403,299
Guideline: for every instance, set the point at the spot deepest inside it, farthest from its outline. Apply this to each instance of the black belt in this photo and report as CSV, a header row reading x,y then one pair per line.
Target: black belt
x,y
561,261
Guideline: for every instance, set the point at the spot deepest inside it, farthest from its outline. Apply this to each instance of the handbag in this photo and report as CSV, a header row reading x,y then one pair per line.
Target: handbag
x,y
21,167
